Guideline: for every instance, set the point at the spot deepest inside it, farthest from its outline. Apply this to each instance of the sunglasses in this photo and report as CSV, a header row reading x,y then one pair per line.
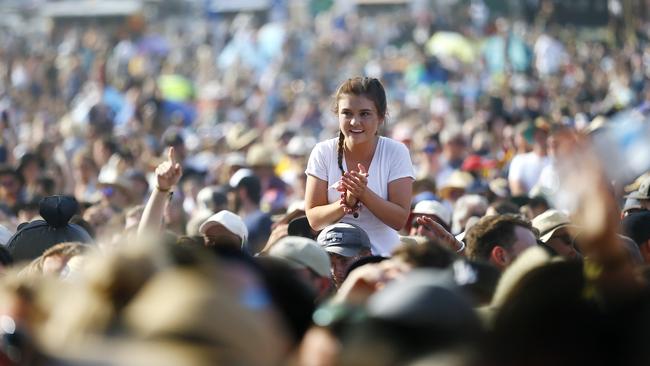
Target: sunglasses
x,y
415,224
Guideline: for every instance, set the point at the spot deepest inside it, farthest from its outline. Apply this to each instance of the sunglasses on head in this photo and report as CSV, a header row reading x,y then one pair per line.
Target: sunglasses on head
x,y
415,224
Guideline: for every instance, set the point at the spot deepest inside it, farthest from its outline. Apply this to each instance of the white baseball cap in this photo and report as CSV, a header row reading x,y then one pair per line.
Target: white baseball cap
x,y
239,175
431,207
230,221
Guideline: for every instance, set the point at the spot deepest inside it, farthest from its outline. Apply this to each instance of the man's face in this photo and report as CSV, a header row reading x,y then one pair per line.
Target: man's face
x,y
320,285
219,235
562,243
8,185
525,239
421,230
340,265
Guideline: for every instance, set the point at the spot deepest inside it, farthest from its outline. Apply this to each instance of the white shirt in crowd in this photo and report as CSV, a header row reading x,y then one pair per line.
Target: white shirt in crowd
x,y
390,162
527,168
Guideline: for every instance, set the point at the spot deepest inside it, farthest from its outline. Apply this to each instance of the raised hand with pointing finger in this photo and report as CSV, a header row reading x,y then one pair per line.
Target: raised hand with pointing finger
x,y
169,172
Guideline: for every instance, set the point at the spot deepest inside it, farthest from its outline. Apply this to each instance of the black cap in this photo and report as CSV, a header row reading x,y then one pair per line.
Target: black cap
x,y
636,225
32,239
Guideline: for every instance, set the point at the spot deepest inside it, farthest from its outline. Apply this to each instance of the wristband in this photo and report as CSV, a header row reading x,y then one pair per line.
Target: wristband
x,y
163,190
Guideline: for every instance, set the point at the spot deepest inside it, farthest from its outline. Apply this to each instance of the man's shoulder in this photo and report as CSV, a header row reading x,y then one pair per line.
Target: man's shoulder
x,y
257,218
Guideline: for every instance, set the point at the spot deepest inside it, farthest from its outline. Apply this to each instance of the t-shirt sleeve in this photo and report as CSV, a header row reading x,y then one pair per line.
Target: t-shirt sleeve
x,y
400,163
317,163
515,169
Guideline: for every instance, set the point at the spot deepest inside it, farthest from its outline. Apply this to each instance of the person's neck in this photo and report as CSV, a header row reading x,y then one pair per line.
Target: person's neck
x,y
362,152
539,150
247,208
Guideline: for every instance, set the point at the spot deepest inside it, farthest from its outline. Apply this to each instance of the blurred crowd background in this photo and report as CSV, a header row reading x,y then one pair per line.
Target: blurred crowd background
x,y
93,91
482,92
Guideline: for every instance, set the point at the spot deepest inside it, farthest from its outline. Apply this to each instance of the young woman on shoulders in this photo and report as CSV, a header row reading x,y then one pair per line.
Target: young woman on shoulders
x,y
360,177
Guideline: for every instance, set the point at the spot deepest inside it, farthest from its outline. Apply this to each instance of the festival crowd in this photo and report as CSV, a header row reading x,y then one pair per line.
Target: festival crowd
x,y
419,186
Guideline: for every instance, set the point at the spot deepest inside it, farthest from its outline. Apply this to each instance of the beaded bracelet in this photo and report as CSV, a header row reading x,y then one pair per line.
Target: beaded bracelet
x,y
355,209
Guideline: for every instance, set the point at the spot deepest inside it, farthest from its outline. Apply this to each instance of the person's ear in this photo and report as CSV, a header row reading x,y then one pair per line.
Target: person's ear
x,y
499,257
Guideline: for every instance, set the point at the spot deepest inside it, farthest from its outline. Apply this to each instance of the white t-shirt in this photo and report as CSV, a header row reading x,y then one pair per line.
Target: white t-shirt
x,y
527,168
390,162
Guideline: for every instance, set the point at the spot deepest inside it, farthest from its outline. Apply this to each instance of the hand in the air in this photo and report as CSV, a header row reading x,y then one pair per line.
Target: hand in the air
x,y
169,172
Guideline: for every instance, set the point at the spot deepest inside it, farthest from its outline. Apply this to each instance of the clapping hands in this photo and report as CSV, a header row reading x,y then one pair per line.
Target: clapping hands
x,y
353,186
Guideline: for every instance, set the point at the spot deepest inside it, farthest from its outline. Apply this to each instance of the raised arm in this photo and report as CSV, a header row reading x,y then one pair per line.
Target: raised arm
x,y
168,173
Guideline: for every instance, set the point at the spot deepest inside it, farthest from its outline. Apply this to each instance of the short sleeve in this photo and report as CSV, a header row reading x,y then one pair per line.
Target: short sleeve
x,y
515,171
317,163
400,163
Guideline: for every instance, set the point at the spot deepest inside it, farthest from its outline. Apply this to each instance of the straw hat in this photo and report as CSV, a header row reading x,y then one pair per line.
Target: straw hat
x,y
457,180
239,136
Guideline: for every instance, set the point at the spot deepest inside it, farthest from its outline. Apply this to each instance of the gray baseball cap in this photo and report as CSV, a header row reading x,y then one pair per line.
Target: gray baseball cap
x,y
302,253
343,239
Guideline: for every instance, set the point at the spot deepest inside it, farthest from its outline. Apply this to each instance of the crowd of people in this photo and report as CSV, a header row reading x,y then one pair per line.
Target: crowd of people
x,y
416,187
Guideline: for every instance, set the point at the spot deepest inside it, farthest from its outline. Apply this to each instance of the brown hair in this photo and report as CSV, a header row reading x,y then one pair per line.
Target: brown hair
x,y
370,88
491,231
65,249
428,254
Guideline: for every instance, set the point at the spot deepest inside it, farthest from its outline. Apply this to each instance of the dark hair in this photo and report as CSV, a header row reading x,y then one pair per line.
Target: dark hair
x,y
370,88
6,169
503,206
78,220
47,185
294,299
253,188
109,143
491,231
363,261
5,257
27,159
538,201
637,226
430,254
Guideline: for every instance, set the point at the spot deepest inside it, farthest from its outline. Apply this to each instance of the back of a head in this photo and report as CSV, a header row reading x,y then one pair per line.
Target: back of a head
x,y
422,314
32,239
636,225
429,254
491,231
503,206
547,319
253,188
292,297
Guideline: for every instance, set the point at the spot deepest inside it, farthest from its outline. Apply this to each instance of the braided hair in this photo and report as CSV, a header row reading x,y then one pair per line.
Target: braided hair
x,y
370,88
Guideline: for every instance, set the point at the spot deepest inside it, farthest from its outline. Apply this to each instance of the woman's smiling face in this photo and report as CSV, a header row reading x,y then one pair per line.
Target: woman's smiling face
x,y
358,118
